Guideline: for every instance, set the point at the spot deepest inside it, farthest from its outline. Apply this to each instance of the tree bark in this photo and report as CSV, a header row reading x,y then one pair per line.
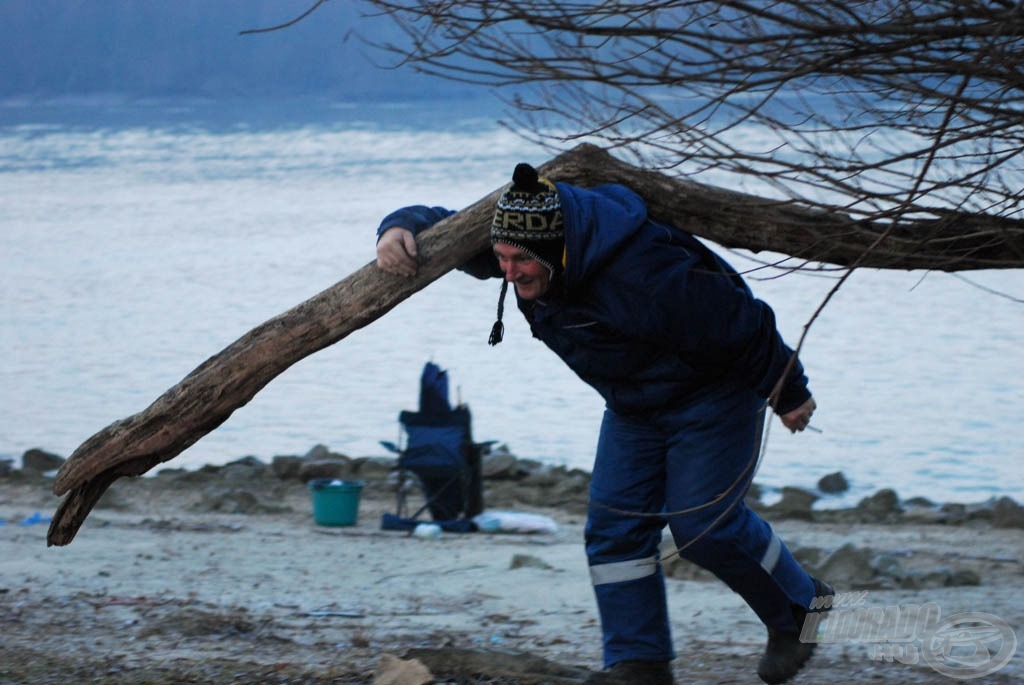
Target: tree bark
x,y
207,396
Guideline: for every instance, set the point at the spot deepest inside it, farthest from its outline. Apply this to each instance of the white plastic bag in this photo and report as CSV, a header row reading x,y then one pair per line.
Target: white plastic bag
x,y
514,522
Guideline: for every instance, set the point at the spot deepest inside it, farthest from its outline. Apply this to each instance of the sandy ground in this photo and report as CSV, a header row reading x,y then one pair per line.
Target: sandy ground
x,y
157,588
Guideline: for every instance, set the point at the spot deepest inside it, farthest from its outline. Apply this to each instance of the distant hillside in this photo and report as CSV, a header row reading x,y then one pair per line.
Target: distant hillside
x,y
153,48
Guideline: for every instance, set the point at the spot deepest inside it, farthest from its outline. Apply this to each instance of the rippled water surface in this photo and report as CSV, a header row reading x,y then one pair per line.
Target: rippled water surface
x,y
137,242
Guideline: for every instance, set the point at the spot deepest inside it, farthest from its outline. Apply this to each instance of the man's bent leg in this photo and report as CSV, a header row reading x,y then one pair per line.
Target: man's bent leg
x,y
622,547
711,457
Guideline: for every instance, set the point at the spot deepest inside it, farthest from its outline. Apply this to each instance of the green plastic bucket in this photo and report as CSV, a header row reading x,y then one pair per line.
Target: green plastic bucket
x,y
335,502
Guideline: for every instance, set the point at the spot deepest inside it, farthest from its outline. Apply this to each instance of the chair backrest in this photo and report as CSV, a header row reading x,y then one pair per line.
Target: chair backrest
x,y
435,442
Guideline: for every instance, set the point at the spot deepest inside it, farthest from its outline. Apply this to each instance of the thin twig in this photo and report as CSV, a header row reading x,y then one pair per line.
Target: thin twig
x,y
285,25
990,291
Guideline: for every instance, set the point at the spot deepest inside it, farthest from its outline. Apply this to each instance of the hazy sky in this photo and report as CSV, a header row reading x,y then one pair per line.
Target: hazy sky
x,y
193,48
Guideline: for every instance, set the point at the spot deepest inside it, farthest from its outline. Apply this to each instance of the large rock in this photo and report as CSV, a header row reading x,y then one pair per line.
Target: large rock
x,y
882,506
499,467
317,452
572,485
833,483
325,468
245,470
286,467
954,513
500,464
501,494
40,461
1006,513
847,565
250,461
544,478
888,565
916,513
796,503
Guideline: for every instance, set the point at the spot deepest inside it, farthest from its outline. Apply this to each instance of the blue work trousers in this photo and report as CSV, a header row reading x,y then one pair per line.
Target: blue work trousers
x,y
669,461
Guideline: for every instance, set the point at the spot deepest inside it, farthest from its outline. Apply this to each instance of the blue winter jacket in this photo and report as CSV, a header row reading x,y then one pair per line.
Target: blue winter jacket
x,y
644,312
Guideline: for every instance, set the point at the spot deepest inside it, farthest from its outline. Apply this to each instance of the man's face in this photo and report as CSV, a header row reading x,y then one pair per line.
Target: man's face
x,y
531,278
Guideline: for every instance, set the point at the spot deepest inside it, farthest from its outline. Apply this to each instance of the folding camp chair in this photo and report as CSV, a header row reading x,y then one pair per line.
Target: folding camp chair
x,y
437,456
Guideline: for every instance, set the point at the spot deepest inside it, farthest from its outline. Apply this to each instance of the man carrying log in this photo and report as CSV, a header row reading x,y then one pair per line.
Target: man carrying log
x,y
687,361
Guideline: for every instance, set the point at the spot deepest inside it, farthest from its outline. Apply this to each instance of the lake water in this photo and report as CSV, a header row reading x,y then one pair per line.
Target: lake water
x,y
136,241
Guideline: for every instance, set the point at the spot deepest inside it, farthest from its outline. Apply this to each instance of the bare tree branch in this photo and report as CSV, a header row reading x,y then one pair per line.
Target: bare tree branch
x,y
834,103
230,379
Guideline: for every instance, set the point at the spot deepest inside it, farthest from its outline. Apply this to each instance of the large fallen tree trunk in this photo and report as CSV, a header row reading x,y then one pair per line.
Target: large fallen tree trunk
x,y
208,395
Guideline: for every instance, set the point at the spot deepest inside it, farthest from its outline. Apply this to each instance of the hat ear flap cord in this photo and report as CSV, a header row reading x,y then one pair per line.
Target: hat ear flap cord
x,y
498,329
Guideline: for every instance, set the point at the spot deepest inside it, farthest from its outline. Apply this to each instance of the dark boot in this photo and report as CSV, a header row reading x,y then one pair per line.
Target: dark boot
x,y
785,654
634,673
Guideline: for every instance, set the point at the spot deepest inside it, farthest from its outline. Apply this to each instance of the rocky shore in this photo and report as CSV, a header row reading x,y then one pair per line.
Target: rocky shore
x,y
219,574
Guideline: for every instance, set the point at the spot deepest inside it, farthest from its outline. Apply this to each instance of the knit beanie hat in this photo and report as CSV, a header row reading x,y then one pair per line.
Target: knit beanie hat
x,y
528,217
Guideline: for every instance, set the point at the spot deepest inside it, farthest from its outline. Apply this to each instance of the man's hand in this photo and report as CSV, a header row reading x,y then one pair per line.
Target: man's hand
x,y
799,418
396,252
